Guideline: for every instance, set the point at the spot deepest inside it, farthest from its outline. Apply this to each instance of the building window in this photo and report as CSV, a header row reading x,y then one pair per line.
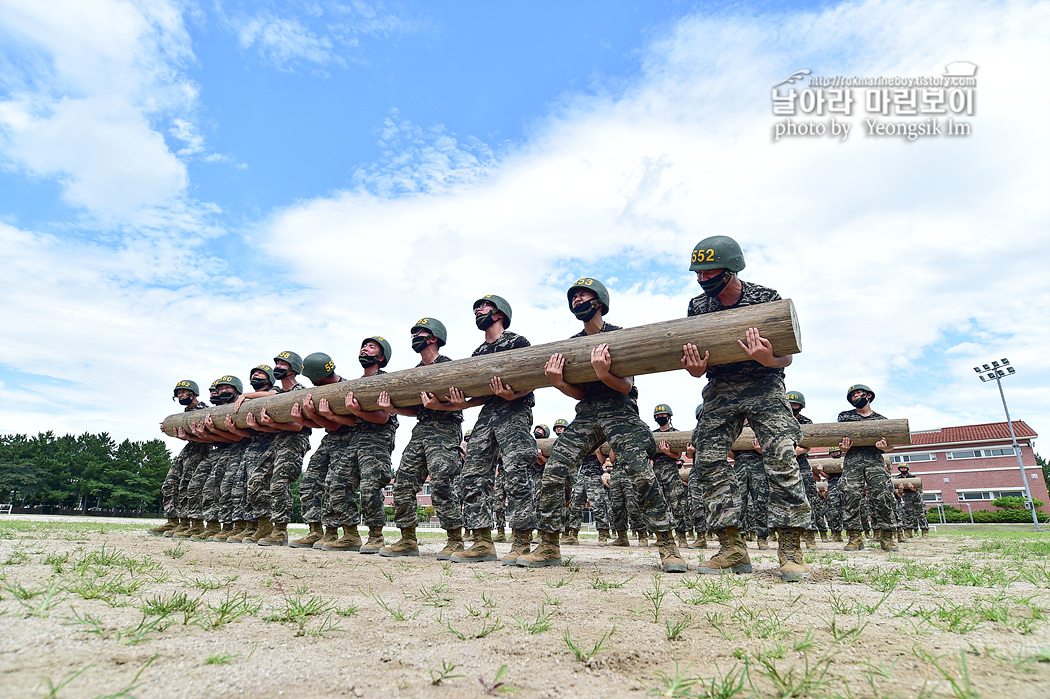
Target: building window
x,y
426,489
979,453
989,494
911,458
932,497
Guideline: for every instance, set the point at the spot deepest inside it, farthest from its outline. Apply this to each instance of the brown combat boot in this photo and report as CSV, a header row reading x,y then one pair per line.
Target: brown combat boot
x,y
263,529
520,540
470,537
500,536
789,551
208,532
823,537
311,538
375,540
350,541
836,537
277,537
239,528
571,537
925,533
180,523
621,539
330,536
887,540
170,525
856,541
683,542
186,529
225,533
763,543
250,527
643,537
603,537
700,542
810,537
546,554
900,536
406,546
482,550
670,560
453,545
196,528
731,557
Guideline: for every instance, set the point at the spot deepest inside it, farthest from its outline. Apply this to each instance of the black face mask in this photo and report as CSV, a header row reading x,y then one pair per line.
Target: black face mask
x,y
796,411
714,286
260,384
223,398
662,420
586,310
420,342
367,361
185,401
280,374
860,402
538,434
484,322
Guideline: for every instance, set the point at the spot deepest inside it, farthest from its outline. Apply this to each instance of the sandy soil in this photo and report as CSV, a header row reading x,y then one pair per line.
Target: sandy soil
x,y
85,597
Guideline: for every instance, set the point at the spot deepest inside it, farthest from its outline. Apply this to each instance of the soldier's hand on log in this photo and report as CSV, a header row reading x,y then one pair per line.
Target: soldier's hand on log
x,y
228,422
692,362
250,419
180,433
266,419
882,445
845,444
325,408
601,360
554,369
456,398
758,348
208,420
237,403
756,445
605,479
308,405
297,411
501,389
428,400
383,401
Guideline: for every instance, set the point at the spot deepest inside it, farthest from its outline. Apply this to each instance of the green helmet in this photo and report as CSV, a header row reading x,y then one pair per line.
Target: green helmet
x,y
796,397
186,383
381,341
860,387
561,422
264,368
435,326
466,435
501,305
546,430
591,285
293,359
699,409
318,366
717,252
229,381
662,408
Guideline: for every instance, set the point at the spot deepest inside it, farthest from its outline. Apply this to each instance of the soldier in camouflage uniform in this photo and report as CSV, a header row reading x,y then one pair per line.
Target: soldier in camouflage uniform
x,y
797,401
197,434
536,468
623,504
367,465
607,411
753,487
499,504
834,507
503,430
186,392
589,488
665,465
432,451
753,390
696,496
914,509
865,467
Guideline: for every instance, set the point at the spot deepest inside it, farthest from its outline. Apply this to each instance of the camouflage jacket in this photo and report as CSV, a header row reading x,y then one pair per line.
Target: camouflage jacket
x,y
750,295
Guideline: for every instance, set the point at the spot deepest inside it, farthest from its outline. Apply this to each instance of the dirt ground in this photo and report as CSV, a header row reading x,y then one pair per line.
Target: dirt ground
x,y
102,609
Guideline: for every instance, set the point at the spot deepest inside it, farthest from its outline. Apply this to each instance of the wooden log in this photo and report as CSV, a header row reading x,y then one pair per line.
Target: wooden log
x,y
913,480
828,465
822,486
647,349
819,434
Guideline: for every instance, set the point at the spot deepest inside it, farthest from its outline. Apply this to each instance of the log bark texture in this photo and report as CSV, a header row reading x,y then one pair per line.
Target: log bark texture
x,y
647,349
819,434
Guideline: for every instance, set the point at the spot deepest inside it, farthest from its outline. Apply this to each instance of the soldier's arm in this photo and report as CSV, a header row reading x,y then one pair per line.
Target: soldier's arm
x,y
554,371
377,417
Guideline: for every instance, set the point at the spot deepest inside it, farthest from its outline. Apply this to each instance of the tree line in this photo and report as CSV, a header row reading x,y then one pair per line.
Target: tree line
x,y
85,472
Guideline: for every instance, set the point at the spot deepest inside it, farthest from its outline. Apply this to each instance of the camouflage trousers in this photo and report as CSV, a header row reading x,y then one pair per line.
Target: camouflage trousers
x,y
623,503
914,511
195,490
233,499
231,459
810,485
270,478
834,508
751,478
820,507
500,433
535,480
312,493
499,498
633,444
696,505
186,461
898,512
589,488
433,451
257,457
677,498
359,475
860,473
764,403
186,478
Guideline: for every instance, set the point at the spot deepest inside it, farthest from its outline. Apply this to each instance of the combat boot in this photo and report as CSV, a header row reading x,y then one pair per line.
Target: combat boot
x,y
836,537
520,539
351,540
225,533
603,537
670,560
208,532
170,525
180,523
406,546
762,543
621,539
375,541
240,528
823,537
571,537
789,551
810,537
643,539
183,532
453,545
277,537
482,550
500,536
470,537
856,541
330,536
700,542
683,542
900,536
250,525
731,557
887,540
311,538
925,533
546,554
196,528
263,529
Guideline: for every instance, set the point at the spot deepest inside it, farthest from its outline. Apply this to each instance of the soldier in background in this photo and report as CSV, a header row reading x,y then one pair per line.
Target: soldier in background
x,y
665,465
914,510
589,488
187,394
834,511
864,468
797,401
753,487
192,433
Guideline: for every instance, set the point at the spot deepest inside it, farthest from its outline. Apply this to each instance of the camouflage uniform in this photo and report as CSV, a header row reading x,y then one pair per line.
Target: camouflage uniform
x,y
865,466
914,509
834,510
753,491
197,491
808,481
499,508
187,460
270,477
233,498
820,506
589,488
433,450
503,430
257,463
313,488
214,511
604,414
666,470
733,392
623,503
696,505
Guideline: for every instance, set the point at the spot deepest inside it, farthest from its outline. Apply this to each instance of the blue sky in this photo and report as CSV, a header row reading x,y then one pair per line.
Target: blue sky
x,y
187,188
